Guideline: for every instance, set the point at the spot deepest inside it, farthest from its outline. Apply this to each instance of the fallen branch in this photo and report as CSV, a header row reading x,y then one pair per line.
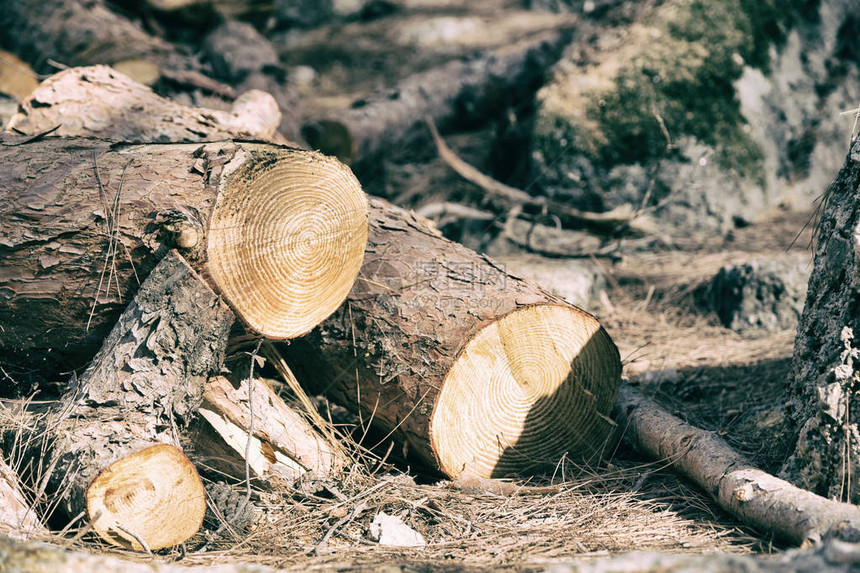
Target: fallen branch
x,y
623,214
754,496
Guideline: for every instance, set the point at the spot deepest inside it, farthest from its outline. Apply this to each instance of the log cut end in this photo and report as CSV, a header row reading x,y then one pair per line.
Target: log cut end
x,y
153,496
287,239
526,391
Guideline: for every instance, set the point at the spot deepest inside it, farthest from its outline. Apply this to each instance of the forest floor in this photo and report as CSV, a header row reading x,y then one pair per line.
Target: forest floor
x,y
676,353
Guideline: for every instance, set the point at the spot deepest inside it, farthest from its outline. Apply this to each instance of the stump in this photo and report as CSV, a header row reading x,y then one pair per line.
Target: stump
x,y
278,232
475,371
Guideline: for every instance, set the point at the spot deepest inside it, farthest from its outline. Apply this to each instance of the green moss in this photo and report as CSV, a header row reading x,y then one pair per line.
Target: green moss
x,y
682,74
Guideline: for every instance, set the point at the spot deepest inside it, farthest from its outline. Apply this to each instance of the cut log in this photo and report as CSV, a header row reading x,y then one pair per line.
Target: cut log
x,y
477,372
67,100
278,232
755,497
458,92
110,446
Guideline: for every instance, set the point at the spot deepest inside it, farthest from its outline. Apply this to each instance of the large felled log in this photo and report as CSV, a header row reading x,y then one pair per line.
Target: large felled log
x,y
756,497
278,232
109,448
478,372
458,92
68,100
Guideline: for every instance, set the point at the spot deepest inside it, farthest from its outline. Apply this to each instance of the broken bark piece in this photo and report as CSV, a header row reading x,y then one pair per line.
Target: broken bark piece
x,y
67,98
284,444
17,518
477,372
110,445
460,91
279,232
755,497
17,78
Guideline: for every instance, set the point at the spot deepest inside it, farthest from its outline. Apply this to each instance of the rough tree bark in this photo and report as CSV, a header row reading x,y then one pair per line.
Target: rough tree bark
x,y
756,497
109,447
98,101
278,232
825,404
477,372
458,92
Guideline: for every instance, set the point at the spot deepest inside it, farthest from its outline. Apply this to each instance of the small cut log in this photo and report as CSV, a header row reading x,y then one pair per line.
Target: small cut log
x,y
109,449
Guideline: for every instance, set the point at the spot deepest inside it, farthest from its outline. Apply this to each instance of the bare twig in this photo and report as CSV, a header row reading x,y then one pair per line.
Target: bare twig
x,y
601,221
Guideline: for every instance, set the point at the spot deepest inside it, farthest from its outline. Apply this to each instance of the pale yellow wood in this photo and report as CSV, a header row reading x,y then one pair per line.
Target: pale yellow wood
x,y
154,495
528,389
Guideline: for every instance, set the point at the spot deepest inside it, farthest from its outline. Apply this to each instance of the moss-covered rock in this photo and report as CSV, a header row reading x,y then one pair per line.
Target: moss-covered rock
x,y
669,80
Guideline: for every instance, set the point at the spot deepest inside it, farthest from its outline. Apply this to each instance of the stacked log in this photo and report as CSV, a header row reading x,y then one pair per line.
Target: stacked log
x,y
476,372
278,232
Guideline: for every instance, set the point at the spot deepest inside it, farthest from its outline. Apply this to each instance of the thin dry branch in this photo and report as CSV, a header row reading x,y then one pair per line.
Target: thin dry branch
x,y
623,214
754,496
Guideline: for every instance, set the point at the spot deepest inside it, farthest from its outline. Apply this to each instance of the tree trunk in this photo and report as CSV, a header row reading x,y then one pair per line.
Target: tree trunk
x,y
825,404
278,232
109,448
478,372
67,100
458,92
